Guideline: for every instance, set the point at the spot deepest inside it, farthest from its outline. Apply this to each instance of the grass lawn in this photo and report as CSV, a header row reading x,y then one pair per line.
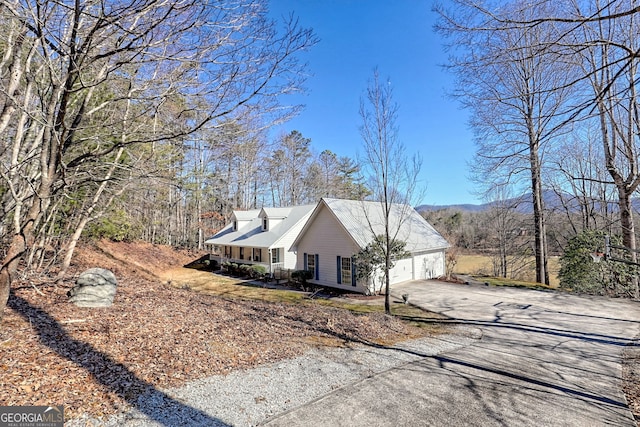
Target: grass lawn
x,y
481,265
214,284
232,288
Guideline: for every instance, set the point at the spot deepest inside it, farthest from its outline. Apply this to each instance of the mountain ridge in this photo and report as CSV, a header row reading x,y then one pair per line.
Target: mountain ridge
x,y
523,204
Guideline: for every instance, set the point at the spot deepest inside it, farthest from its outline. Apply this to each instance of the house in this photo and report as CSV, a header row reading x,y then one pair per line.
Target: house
x,y
261,236
338,229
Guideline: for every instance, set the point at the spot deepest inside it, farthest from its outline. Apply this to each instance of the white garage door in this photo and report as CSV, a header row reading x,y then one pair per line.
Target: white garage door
x,y
429,266
402,271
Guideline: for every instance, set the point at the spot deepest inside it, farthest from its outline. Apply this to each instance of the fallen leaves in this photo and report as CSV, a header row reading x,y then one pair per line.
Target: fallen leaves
x,y
97,361
631,376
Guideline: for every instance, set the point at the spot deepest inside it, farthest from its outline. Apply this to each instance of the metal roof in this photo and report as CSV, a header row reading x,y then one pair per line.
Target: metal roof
x,y
363,220
250,233
245,215
276,212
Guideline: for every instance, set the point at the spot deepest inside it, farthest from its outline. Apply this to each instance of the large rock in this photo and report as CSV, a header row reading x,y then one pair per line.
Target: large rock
x,y
95,287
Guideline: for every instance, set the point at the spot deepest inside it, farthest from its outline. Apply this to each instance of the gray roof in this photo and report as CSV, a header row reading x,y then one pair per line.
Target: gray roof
x,y
250,233
246,215
277,212
363,220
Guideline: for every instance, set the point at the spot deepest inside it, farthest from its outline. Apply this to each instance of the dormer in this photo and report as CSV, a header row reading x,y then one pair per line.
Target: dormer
x,y
271,217
241,218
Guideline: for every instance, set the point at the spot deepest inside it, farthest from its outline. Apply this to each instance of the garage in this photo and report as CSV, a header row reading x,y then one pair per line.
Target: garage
x,y
429,265
402,271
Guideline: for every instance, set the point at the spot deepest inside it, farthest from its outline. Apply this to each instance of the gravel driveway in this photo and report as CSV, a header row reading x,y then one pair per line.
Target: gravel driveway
x,y
250,397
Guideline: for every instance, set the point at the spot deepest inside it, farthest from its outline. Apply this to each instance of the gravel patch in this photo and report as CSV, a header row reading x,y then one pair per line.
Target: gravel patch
x,y
250,397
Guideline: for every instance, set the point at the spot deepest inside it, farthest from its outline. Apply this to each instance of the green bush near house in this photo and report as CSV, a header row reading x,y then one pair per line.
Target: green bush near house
x,y
244,269
301,276
255,271
258,271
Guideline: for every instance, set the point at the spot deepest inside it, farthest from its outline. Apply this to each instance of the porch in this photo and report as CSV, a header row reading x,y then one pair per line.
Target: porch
x,y
271,259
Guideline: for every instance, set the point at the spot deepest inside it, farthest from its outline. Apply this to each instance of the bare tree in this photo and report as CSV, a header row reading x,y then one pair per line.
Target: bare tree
x,y
577,173
518,96
237,155
328,162
288,166
297,154
612,70
70,68
392,175
508,243
597,44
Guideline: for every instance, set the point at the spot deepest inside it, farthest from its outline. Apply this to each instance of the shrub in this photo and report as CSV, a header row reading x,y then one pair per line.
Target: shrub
x,y
116,226
579,273
258,270
301,276
233,268
244,269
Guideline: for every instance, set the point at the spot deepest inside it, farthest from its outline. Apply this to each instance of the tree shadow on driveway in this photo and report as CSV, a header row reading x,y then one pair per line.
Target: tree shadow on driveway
x,y
566,333
155,404
444,360
545,364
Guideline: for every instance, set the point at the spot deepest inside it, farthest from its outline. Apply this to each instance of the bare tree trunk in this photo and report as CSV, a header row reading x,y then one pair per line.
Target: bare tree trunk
x,y
22,239
542,273
9,268
86,217
628,234
393,175
387,281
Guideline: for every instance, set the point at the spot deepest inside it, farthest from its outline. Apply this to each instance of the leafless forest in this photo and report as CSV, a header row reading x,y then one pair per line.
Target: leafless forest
x,y
149,120
552,88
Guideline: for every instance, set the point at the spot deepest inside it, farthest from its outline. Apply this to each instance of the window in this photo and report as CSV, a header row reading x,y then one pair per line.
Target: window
x,y
345,271
311,263
235,225
257,254
241,253
265,223
275,255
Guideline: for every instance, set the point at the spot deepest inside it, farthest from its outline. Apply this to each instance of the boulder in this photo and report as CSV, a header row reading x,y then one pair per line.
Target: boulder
x,y
95,287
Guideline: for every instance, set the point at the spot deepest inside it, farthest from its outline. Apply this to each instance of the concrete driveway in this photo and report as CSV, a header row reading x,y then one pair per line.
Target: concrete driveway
x,y
543,359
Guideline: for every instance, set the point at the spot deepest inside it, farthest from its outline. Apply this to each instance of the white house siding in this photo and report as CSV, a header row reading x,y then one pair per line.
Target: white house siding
x,y
290,259
326,238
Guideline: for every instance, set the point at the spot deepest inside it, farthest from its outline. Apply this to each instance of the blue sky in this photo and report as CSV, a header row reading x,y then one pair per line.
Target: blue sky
x,y
397,37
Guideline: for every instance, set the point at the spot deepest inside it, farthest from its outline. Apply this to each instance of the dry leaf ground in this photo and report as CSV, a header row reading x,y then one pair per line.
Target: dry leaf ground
x,y
97,361
631,375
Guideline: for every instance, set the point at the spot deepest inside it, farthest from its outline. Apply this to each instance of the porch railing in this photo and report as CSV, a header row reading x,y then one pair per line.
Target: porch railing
x,y
271,267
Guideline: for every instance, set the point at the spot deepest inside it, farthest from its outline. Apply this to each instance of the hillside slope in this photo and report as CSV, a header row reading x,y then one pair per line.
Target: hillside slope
x,y
98,361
